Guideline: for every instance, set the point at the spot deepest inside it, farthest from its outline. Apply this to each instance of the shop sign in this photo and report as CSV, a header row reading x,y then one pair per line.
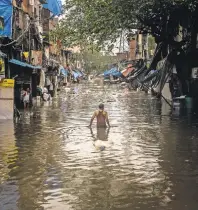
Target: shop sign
x,y
7,83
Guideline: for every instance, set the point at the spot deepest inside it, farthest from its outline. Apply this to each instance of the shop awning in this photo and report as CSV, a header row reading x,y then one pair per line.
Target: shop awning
x,y
23,64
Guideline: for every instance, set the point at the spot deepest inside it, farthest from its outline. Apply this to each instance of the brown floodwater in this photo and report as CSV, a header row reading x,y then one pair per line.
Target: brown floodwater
x,y
50,159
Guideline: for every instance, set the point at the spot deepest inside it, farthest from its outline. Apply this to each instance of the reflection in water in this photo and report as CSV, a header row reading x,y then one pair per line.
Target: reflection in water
x,y
101,138
146,160
8,164
102,134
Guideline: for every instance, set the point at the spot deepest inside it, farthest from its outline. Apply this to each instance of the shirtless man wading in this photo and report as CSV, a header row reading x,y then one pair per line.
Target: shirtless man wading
x,y
101,116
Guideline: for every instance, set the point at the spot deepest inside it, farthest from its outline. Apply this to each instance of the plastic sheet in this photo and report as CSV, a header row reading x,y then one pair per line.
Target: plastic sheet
x,y
64,72
113,71
53,6
6,10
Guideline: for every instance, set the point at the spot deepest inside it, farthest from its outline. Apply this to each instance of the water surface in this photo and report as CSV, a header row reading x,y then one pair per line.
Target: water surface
x,y
146,160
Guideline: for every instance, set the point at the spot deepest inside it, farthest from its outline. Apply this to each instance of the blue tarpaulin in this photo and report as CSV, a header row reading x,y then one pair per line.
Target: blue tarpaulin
x,y
23,64
6,10
109,72
117,74
54,6
79,73
60,3
75,75
113,72
64,72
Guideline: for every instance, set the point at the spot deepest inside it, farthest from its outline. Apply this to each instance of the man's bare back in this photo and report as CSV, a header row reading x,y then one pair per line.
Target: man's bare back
x,y
101,116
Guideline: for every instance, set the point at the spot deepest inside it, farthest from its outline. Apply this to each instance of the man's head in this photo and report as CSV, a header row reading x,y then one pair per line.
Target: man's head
x,y
101,106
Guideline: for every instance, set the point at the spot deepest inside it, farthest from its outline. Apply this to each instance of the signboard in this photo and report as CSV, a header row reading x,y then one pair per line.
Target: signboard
x,y
7,83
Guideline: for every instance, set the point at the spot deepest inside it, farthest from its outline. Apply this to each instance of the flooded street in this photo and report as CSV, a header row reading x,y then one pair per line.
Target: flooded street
x,y
52,160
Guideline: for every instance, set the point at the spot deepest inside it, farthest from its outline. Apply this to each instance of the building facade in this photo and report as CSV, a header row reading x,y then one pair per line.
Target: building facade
x,y
26,52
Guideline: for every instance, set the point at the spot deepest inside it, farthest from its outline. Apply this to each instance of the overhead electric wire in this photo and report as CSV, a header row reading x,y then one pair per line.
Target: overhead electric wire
x,y
14,41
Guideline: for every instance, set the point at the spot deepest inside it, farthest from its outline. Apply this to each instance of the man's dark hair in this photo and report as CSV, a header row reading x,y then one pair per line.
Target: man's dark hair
x,y
101,106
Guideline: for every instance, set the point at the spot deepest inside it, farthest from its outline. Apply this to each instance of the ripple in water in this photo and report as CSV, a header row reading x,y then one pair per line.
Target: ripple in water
x,y
54,161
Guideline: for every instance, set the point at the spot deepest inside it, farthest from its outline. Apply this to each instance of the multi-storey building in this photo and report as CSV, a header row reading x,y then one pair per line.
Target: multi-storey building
x,y
24,41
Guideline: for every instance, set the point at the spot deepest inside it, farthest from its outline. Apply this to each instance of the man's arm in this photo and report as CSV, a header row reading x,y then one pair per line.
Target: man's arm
x,y
92,119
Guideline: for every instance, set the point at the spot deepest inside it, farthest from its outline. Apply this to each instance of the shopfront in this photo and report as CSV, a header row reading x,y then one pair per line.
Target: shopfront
x,y
26,77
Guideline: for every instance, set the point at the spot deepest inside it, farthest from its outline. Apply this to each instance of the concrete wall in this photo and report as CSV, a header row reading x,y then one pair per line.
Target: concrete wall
x,y
6,103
